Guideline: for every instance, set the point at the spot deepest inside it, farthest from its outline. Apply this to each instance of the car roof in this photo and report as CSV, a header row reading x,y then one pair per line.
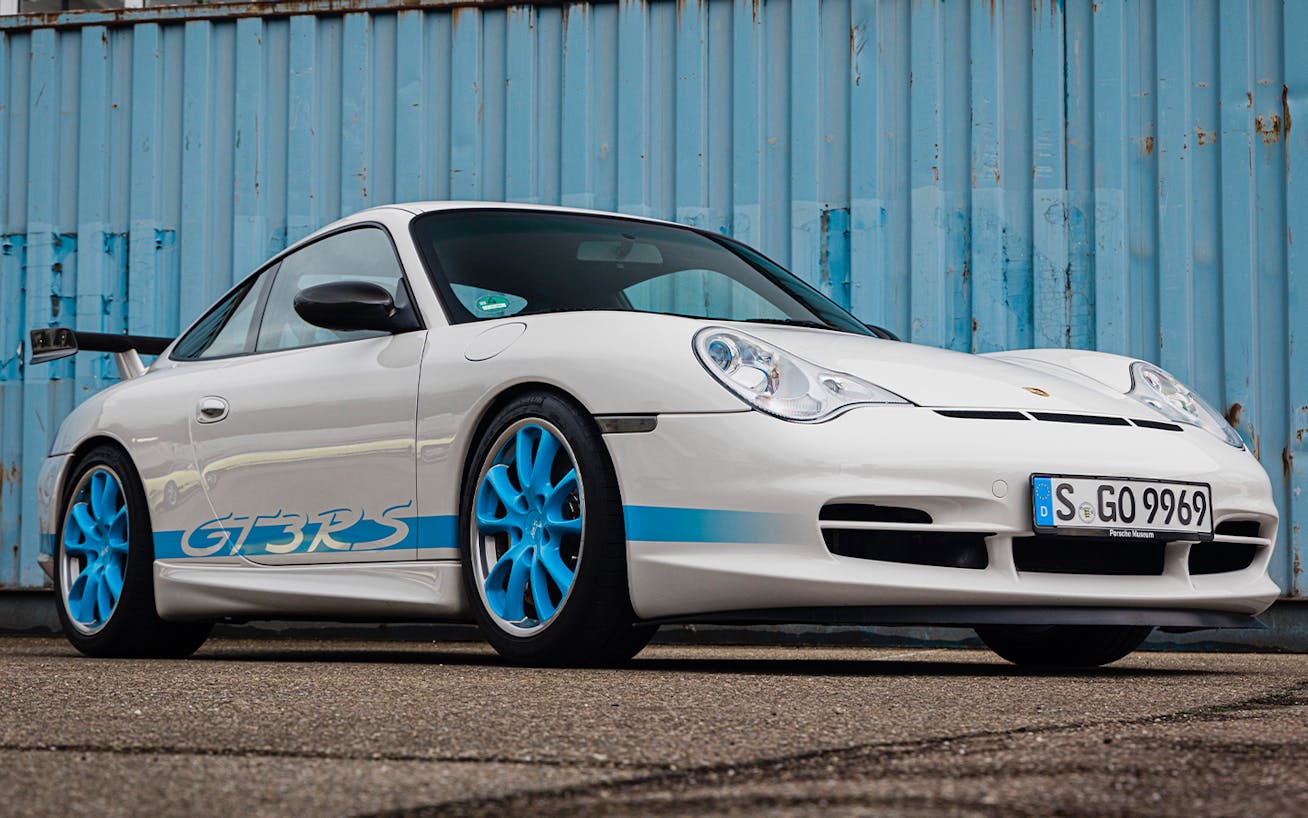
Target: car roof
x,y
434,206
419,208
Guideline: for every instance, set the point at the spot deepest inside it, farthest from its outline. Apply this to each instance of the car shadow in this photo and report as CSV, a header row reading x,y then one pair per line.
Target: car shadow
x,y
925,666
921,665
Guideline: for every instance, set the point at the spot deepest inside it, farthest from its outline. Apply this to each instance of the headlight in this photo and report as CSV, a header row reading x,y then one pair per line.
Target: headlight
x,y
1174,400
779,383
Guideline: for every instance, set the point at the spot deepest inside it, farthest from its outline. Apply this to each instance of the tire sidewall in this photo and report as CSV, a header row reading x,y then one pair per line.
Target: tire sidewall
x,y
603,537
1063,646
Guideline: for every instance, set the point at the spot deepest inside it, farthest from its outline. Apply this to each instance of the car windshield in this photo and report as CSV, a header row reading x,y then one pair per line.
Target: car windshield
x,y
498,263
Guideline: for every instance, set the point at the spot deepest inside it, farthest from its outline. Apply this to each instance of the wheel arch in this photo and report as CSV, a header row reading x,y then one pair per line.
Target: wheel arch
x,y
75,457
498,402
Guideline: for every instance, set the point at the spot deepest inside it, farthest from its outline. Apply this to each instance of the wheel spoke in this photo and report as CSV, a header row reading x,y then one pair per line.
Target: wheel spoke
x,y
76,592
104,601
559,526
82,516
498,479
113,580
543,463
515,592
558,494
104,503
554,519
489,524
523,445
498,576
561,574
93,491
81,548
540,595
81,596
118,530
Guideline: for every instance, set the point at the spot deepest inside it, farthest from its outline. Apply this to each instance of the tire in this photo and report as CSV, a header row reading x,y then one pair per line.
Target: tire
x,y
105,544
545,568
1063,646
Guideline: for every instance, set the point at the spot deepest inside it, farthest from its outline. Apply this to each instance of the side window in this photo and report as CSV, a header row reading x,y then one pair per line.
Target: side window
x,y
225,329
363,254
700,294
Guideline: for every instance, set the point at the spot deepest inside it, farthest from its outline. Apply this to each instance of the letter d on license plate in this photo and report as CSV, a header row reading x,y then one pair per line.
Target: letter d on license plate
x,y
1121,507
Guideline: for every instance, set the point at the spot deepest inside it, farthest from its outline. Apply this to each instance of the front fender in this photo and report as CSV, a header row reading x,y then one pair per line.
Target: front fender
x,y
49,488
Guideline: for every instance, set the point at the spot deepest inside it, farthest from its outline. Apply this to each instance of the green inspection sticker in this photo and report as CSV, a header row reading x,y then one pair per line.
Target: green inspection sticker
x,y
492,303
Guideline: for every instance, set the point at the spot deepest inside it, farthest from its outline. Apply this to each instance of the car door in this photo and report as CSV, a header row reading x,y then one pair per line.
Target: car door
x,y
305,441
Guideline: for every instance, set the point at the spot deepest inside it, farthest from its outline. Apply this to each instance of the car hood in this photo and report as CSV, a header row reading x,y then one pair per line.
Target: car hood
x,y
934,377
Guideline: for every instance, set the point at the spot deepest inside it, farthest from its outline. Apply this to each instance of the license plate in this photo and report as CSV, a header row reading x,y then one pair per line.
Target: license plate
x,y
1118,507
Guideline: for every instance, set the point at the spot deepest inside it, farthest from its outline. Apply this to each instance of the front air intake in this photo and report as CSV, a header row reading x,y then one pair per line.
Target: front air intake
x,y
870,513
945,549
1221,557
1089,555
1238,528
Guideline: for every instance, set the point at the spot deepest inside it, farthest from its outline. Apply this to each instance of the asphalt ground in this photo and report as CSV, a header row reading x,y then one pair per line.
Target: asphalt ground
x,y
289,727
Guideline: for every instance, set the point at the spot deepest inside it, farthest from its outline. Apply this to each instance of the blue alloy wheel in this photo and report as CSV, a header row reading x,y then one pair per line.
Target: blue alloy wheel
x,y
527,526
94,552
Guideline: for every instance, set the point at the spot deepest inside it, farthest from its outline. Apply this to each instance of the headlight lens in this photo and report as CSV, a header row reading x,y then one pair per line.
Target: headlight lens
x,y
1174,400
779,383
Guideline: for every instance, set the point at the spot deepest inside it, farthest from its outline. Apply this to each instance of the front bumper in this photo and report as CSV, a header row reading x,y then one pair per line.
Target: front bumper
x,y
722,511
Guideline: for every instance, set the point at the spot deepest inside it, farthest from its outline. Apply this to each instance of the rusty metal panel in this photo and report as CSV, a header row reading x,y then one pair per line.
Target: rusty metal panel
x,y
1119,175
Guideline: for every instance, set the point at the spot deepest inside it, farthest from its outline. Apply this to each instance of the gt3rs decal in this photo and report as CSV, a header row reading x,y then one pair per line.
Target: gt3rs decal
x,y
344,530
289,532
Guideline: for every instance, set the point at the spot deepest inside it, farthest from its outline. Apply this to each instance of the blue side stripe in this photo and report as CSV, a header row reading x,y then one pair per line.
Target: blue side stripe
x,y
168,545
703,525
643,523
438,531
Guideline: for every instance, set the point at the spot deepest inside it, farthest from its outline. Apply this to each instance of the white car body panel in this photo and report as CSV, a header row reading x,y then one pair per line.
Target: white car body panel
x,y
1114,371
324,476
929,376
784,562
722,502
149,417
426,590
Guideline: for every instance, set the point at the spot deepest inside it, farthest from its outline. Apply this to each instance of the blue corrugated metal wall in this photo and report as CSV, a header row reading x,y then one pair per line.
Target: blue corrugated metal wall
x,y
980,175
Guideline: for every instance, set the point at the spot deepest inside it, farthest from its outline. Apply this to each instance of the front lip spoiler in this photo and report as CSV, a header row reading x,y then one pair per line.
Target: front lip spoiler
x,y
967,616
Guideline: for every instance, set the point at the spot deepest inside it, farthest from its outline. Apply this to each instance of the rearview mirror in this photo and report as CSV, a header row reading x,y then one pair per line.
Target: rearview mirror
x,y
347,306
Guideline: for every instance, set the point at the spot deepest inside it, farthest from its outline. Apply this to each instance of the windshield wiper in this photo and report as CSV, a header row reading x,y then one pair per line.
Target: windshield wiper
x,y
790,322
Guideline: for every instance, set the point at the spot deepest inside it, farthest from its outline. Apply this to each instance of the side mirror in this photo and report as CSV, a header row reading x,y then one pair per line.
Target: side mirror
x,y
882,332
347,306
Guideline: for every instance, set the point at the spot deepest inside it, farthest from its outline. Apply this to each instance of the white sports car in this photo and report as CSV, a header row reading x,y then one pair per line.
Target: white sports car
x,y
571,427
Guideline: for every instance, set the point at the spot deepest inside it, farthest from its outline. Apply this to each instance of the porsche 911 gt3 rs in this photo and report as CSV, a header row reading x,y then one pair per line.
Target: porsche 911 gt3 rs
x,y
571,427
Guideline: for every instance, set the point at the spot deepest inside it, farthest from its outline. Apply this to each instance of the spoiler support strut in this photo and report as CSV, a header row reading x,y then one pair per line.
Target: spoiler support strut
x,y
53,343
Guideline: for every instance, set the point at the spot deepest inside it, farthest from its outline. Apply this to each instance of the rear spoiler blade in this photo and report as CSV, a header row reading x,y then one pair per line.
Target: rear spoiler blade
x,y
53,343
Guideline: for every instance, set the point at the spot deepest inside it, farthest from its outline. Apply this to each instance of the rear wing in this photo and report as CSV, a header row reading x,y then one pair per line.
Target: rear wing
x,y
53,343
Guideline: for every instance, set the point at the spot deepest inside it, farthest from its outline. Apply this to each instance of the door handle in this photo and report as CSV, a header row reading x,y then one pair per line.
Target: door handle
x,y
211,409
